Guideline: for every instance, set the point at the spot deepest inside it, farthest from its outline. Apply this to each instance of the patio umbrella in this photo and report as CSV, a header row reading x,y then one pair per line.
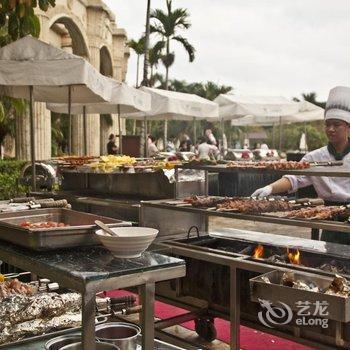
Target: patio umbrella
x,y
124,99
37,71
265,110
172,105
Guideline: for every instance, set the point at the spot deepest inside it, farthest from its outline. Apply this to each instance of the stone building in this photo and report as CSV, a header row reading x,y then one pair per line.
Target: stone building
x,y
89,29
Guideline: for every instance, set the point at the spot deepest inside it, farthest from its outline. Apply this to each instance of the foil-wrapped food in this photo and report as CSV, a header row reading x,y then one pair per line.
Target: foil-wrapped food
x,y
339,286
21,308
34,327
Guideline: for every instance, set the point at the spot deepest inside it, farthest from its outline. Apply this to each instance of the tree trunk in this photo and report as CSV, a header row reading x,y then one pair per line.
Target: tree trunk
x,y
137,70
166,88
146,56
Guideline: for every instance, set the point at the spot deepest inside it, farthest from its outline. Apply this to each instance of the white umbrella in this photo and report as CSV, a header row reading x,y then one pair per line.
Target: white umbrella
x,y
172,105
307,112
124,99
235,106
37,71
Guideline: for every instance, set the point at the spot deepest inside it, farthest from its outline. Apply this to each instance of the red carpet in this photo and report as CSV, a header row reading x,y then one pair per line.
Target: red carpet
x,y
250,339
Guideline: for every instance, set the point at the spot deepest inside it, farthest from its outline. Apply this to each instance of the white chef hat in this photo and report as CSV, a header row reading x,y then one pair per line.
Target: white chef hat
x,y
338,104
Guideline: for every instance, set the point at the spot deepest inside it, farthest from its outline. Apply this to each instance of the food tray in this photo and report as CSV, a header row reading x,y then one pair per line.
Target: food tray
x,y
79,233
338,307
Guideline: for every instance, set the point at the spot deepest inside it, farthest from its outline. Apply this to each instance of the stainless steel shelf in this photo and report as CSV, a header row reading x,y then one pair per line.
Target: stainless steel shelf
x,y
316,224
330,171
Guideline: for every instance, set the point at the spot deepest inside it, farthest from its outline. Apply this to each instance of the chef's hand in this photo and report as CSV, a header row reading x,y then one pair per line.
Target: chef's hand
x,y
262,192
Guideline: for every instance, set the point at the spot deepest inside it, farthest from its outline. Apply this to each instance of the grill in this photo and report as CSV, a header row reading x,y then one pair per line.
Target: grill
x,y
210,260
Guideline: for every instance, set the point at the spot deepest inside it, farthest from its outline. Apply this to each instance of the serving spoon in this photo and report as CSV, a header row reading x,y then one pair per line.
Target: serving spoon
x,y
105,228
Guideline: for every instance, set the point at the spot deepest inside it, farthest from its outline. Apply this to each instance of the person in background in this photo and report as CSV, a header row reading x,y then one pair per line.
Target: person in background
x,y
264,146
209,134
151,145
237,145
170,147
257,145
184,147
111,146
206,150
334,190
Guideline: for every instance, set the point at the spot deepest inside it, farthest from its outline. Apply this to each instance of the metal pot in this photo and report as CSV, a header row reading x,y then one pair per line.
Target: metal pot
x,y
59,342
99,346
124,335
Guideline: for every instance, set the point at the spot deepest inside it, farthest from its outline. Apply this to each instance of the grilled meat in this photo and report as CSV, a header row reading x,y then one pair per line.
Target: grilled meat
x,y
320,212
276,165
250,206
204,201
14,286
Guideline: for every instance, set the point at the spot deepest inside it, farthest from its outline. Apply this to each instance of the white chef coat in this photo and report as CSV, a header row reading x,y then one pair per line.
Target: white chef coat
x,y
205,150
335,189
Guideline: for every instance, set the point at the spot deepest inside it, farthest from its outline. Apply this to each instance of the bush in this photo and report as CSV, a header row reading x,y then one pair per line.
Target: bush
x,y
10,170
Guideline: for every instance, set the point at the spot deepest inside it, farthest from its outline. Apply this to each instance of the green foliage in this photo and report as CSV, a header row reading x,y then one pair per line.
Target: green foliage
x,y
208,90
10,170
166,25
59,133
17,18
9,108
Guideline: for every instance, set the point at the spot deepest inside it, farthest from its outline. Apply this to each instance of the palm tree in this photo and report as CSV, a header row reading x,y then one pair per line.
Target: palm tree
x,y
167,24
155,55
139,48
312,97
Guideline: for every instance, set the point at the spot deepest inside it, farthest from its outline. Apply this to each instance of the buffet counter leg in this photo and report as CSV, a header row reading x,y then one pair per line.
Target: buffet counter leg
x,y
206,183
88,321
147,300
315,234
176,183
234,309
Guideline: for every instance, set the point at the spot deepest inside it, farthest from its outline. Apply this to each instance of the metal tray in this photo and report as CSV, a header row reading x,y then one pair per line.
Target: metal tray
x,y
338,307
79,233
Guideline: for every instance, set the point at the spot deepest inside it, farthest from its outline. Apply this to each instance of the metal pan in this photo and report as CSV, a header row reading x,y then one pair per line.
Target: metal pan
x,y
80,231
338,307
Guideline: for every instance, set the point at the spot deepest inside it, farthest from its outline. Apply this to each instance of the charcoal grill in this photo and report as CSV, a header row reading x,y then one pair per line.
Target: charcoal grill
x,y
220,268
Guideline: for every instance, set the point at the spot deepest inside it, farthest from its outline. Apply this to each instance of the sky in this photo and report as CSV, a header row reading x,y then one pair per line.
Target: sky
x,y
259,47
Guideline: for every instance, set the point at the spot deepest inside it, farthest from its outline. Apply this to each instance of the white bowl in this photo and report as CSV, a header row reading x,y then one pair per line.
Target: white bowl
x,y
131,243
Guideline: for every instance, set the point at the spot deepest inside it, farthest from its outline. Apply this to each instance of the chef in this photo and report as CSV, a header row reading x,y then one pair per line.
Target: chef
x,y
334,190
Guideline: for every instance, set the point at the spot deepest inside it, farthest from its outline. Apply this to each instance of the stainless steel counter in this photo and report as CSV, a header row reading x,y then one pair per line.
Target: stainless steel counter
x,y
92,270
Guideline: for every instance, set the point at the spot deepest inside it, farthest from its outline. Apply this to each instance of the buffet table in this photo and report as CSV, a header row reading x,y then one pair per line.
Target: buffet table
x,y
93,270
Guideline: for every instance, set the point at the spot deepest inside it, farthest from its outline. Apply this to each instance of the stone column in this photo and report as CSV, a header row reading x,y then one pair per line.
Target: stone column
x,y
78,135
22,140
42,121
93,120
42,129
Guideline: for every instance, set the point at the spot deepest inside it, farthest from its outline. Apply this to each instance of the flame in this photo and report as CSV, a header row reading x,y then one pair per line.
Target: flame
x,y
294,258
258,252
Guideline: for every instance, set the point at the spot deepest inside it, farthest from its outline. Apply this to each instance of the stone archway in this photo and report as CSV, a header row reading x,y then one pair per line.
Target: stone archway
x,y
106,65
66,34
